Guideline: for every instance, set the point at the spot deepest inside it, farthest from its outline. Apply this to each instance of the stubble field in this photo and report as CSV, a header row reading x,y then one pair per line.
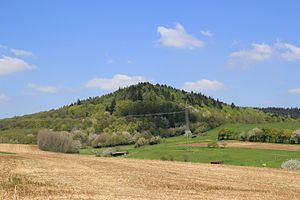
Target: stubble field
x,y
32,174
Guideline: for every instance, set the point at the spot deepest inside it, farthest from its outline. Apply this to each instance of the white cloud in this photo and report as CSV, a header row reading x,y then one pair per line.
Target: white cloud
x,y
10,65
3,98
292,52
203,85
117,81
178,38
207,33
43,88
294,91
20,52
259,52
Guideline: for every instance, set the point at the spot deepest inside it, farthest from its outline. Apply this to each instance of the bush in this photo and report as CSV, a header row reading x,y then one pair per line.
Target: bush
x,y
243,136
255,134
227,134
274,135
213,144
107,152
79,135
57,142
141,142
172,132
222,144
200,128
295,137
97,153
91,138
112,139
26,136
292,164
155,140
138,135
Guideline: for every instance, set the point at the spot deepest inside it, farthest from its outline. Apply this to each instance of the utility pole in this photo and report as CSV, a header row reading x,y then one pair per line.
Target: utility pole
x,y
187,122
187,128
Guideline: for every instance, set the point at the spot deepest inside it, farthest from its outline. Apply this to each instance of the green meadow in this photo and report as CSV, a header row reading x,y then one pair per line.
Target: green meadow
x,y
174,149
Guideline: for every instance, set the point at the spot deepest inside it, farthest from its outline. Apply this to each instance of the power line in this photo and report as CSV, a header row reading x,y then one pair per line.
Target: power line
x,y
155,114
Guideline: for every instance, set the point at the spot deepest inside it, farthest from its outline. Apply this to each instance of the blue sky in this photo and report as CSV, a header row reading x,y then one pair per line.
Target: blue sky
x,y
54,52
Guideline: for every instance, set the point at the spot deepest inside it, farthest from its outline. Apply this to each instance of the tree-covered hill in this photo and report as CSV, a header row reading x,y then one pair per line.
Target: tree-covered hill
x,y
284,112
112,113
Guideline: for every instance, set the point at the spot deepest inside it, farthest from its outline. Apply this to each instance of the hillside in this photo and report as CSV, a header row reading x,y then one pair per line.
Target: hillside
x,y
111,114
284,112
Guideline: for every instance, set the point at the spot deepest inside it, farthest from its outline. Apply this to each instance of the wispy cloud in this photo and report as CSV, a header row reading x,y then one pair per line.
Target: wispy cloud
x,y
290,51
264,52
178,38
9,65
117,81
43,88
207,33
3,98
203,85
258,53
20,52
17,52
294,91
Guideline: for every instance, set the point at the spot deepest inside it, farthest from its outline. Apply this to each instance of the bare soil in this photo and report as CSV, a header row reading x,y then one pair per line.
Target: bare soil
x,y
32,174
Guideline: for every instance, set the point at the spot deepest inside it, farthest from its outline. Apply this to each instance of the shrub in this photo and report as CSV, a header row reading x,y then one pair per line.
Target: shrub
x,y
227,134
79,135
141,142
201,128
155,140
107,152
104,140
295,137
292,164
57,142
26,136
243,136
112,139
91,138
213,144
253,134
126,138
138,135
222,144
98,153
171,132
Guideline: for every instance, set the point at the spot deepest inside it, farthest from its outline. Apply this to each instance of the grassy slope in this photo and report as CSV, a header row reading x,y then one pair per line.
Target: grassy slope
x,y
233,156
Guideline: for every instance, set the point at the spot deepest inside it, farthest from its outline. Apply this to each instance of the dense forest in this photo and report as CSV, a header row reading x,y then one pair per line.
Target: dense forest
x,y
284,112
114,115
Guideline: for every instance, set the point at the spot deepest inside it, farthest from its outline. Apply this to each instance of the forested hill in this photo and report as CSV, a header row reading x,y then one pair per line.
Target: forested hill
x,y
107,113
284,112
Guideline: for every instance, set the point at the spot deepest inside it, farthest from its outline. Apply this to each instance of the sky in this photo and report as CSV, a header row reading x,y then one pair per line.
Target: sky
x,y
55,52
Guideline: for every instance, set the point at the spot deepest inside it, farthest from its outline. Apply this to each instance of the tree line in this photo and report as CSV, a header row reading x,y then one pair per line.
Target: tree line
x,y
270,135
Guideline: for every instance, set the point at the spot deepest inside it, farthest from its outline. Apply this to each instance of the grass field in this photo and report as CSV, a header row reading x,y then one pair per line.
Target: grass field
x,y
6,152
31,174
175,149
